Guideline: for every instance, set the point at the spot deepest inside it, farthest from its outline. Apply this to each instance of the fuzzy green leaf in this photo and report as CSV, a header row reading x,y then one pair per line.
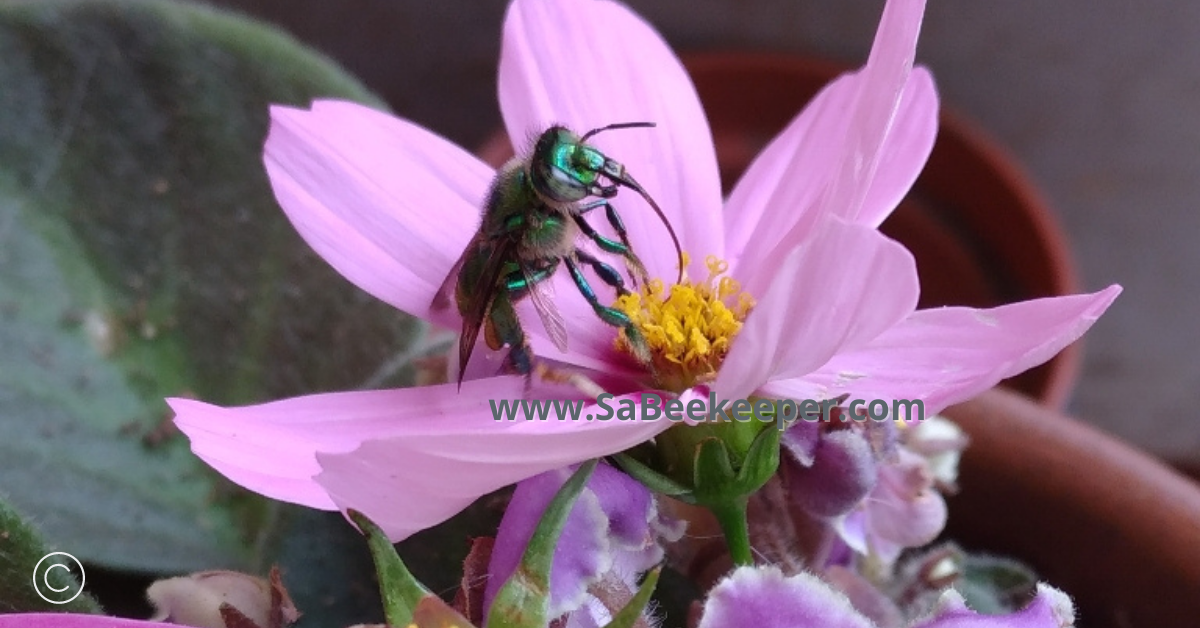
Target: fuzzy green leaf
x,y
650,478
994,585
22,568
142,255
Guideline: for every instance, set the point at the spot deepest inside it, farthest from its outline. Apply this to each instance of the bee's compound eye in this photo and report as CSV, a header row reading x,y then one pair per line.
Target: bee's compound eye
x,y
556,177
565,185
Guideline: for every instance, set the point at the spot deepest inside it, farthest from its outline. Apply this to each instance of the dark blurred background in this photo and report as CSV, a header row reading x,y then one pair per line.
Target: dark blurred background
x,y
1099,100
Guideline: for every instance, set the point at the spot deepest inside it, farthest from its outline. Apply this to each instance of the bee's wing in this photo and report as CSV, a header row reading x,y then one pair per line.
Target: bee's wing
x,y
542,295
479,302
445,295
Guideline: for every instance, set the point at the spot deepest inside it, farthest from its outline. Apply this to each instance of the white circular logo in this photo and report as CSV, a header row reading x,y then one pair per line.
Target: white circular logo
x,y
45,589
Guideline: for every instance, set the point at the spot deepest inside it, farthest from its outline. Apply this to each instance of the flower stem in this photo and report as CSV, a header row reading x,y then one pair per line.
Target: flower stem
x,y
731,516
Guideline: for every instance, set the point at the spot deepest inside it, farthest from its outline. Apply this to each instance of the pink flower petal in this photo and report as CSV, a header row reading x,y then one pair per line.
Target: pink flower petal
x,y
272,448
858,147
411,482
840,290
947,355
591,63
385,202
885,80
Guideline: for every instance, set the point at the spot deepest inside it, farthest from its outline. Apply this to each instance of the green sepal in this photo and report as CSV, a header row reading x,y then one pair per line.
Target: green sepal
x,y
716,481
21,548
652,479
401,592
720,482
713,472
522,601
626,617
761,462
725,492
993,585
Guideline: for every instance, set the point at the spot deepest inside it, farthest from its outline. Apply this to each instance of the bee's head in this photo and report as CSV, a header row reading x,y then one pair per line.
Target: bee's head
x,y
562,169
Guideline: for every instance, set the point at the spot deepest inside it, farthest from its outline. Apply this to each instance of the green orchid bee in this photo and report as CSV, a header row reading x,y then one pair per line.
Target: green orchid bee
x,y
535,212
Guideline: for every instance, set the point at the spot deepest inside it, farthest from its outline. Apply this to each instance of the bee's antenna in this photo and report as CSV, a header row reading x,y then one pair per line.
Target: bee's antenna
x,y
628,182
613,127
618,174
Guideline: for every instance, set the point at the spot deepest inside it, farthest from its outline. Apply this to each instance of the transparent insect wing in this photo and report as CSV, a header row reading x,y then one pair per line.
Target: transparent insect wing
x,y
541,293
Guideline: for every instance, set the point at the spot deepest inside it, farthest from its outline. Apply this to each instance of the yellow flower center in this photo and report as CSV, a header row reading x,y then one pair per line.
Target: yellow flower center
x,y
689,328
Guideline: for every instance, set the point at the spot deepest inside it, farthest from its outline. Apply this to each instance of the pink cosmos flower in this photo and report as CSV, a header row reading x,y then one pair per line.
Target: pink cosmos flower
x,y
391,206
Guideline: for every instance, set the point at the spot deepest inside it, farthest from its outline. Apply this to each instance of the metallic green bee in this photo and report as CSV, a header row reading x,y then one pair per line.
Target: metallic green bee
x,y
533,216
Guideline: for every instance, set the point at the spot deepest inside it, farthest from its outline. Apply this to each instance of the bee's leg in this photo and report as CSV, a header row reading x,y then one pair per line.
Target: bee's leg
x,y
519,282
610,315
507,329
606,273
581,382
608,245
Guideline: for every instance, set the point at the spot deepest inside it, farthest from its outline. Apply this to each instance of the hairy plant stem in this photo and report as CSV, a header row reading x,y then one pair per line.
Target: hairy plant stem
x,y
731,516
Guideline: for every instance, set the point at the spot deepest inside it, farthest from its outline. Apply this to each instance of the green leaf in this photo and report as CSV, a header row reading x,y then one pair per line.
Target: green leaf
x,y
22,568
994,585
650,478
142,255
762,460
716,480
400,590
521,602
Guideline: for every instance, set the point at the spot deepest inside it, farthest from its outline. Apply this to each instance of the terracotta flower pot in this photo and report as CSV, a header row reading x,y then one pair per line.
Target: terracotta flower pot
x,y
981,234
1116,529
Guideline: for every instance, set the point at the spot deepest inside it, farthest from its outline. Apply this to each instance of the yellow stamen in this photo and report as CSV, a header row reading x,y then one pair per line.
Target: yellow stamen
x,y
688,328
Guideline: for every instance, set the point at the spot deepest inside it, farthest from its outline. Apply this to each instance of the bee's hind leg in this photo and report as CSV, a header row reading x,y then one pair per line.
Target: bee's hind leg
x,y
504,328
521,360
579,381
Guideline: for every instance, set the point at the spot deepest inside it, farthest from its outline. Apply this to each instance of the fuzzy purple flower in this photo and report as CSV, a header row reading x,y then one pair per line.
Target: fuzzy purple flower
x,y
764,598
